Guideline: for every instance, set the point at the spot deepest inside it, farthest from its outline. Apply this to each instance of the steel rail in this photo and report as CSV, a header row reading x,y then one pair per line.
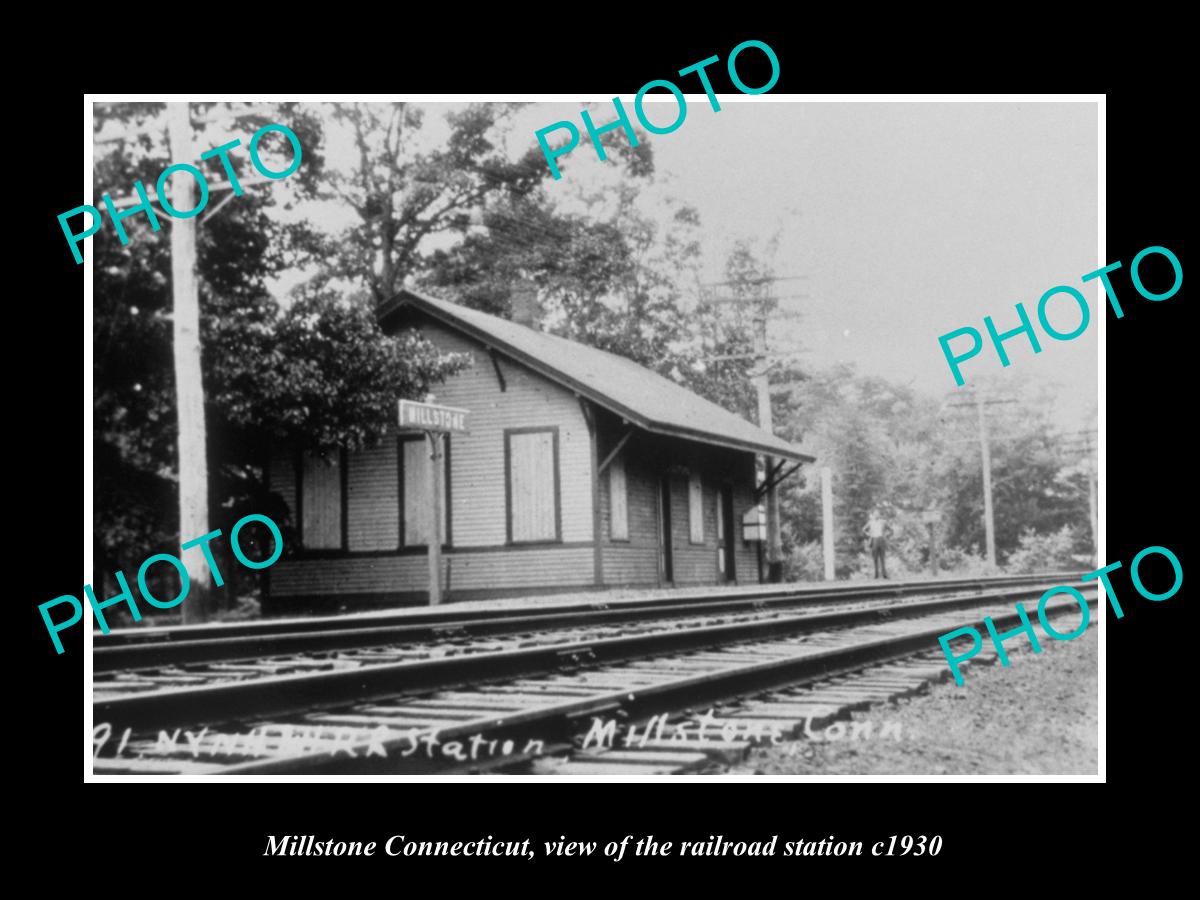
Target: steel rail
x,y
302,693
560,720
238,641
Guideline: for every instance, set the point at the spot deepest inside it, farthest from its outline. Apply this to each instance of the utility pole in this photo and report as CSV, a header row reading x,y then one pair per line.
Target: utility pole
x,y
1091,477
985,452
1081,441
762,385
189,385
989,519
827,519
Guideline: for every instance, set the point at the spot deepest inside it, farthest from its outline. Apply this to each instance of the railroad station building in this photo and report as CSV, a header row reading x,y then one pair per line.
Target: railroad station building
x,y
580,469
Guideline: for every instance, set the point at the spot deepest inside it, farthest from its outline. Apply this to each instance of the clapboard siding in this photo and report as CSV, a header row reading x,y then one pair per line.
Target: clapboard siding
x,y
531,567
477,461
374,568
373,498
477,494
632,566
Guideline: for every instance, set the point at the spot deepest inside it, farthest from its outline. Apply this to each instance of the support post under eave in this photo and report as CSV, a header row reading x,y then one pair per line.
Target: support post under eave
x,y
589,416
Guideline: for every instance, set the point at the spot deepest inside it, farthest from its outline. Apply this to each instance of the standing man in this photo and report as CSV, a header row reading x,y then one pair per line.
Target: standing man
x,y
874,529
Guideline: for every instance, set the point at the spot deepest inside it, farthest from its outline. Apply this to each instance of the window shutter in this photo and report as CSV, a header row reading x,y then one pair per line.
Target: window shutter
x,y
531,476
372,501
696,508
618,500
417,511
322,502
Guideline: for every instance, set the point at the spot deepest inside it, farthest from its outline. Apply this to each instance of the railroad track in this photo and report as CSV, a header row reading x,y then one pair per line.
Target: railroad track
x,y
176,657
563,706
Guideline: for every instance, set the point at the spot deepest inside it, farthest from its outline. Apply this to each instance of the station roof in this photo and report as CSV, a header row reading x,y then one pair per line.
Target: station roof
x,y
644,398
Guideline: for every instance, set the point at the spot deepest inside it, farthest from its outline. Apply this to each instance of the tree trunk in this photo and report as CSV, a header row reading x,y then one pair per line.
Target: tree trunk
x,y
189,385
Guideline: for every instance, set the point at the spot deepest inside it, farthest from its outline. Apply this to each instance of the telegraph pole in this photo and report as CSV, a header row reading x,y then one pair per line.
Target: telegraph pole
x,y
989,519
827,520
189,385
1081,441
762,384
985,453
1091,477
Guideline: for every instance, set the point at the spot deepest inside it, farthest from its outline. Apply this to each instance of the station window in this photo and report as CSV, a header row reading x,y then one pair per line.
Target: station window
x,y
695,508
532,485
321,501
414,463
372,498
618,500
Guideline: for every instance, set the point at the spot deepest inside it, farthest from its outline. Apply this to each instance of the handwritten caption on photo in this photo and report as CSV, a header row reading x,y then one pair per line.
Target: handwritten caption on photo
x,y
707,728
272,740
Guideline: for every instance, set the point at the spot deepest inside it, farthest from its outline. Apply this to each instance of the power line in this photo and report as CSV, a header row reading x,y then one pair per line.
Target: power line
x,y
763,280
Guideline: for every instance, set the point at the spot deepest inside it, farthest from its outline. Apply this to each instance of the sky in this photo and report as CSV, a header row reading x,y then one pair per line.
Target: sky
x,y
899,222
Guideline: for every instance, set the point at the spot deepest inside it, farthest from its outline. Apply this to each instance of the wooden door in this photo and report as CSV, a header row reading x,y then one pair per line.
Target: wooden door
x,y
726,569
666,564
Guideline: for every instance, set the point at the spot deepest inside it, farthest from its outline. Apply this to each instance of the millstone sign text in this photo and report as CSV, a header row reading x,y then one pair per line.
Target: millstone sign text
x,y
429,417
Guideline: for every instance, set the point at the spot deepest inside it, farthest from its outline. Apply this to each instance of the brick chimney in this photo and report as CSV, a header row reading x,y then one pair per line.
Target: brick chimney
x,y
524,303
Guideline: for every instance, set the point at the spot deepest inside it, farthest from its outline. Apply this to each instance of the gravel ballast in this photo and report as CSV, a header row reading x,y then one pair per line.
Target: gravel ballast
x,y
1036,717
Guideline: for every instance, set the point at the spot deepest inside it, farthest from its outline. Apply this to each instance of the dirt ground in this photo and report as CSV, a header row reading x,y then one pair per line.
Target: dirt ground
x,y
1036,717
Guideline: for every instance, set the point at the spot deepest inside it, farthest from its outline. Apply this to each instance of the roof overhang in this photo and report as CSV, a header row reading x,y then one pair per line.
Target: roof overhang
x,y
391,307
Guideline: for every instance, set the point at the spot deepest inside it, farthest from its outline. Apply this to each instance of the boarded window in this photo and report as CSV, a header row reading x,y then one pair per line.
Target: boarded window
x,y
720,534
321,501
618,500
373,498
532,461
695,508
417,505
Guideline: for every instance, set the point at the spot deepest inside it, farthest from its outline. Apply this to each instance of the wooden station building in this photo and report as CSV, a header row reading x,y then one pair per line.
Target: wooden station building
x,y
581,469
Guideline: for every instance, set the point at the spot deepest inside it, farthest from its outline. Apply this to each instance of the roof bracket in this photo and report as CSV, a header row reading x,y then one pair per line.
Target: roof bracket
x,y
774,479
496,365
589,416
615,450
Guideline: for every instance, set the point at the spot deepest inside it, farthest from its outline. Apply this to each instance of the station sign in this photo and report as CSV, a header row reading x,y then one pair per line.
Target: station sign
x,y
431,417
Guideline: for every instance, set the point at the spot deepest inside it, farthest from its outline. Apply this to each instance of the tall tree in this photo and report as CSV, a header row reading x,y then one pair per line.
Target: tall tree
x,y
612,280
403,195
892,446
318,373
